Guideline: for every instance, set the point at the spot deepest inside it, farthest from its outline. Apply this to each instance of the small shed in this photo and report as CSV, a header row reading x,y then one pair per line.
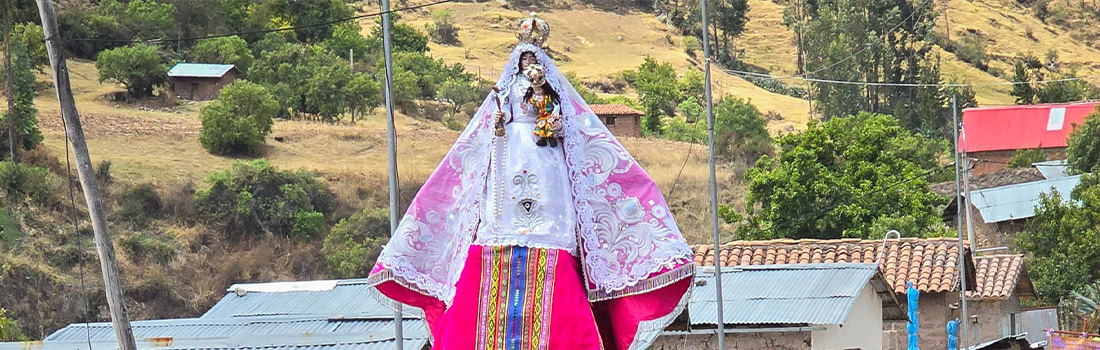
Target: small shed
x,y
622,120
201,81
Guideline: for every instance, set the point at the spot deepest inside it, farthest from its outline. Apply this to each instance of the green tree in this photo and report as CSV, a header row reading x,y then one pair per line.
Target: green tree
x,y
691,84
404,38
1024,158
842,177
226,50
443,30
1063,240
691,110
254,198
354,243
24,115
307,15
29,35
362,95
148,19
1022,90
587,94
239,120
458,93
740,131
1064,90
137,67
9,329
1083,146
659,89
405,91
345,38
866,41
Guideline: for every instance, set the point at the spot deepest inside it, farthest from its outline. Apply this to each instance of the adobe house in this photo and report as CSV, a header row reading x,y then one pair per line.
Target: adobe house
x,y
622,120
994,307
201,81
789,306
932,265
992,135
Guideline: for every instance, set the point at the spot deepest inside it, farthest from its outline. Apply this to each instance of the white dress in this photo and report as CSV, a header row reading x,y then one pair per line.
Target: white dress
x,y
529,202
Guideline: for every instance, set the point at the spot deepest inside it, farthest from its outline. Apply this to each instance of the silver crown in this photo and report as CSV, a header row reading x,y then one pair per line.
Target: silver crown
x,y
533,30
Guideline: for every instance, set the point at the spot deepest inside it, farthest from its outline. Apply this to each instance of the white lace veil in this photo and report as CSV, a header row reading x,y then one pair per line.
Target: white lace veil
x,y
628,239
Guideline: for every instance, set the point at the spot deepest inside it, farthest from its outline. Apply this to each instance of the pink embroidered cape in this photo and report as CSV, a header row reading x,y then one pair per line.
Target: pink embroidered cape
x,y
636,265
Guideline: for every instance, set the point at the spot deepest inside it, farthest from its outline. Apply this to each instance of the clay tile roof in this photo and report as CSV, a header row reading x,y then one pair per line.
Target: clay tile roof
x,y
999,276
929,263
614,109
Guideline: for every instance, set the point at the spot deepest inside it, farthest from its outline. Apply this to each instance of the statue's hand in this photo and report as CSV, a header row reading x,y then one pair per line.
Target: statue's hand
x,y
498,118
555,123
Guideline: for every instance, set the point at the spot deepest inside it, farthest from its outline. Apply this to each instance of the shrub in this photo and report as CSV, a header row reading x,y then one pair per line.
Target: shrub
x,y
1025,157
139,203
22,181
692,45
974,50
354,243
254,197
443,30
239,120
136,67
228,50
145,246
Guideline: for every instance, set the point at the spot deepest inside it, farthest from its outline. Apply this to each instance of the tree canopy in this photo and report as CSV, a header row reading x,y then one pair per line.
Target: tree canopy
x,y
137,67
1083,146
1063,240
239,120
227,50
842,177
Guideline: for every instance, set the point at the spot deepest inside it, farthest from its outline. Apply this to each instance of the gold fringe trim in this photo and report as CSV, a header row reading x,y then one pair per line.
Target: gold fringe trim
x,y
645,286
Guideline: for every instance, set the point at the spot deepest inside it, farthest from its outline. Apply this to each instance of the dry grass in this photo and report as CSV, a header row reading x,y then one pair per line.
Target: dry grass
x,y
597,44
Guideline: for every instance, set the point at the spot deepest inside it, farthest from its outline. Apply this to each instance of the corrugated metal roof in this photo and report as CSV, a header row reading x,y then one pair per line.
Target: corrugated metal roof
x,y
348,298
208,328
1054,169
199,70
811,294
354,341
1014,202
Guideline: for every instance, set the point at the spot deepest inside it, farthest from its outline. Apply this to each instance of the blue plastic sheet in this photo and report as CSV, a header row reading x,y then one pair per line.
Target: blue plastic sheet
x,y
914,326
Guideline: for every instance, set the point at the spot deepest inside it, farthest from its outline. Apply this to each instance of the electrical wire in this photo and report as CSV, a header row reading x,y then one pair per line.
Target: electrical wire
x,y
862,83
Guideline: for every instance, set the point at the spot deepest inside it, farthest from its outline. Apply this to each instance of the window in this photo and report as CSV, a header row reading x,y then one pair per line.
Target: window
x,y
609,121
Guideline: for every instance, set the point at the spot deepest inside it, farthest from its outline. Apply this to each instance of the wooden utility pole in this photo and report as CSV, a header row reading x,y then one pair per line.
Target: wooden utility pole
x,y
12,150
111,281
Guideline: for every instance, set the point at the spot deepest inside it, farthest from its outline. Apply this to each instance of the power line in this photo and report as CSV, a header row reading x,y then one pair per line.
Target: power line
x,y
315,25
862,83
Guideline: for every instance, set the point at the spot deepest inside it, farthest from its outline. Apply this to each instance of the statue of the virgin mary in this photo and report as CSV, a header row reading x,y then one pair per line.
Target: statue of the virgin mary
x,y
538,230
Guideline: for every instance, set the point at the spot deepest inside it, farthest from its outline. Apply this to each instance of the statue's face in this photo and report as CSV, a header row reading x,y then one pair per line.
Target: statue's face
x,y
527,58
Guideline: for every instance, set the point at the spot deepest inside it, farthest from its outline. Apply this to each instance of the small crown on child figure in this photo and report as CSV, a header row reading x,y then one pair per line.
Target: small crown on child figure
x,y
533,30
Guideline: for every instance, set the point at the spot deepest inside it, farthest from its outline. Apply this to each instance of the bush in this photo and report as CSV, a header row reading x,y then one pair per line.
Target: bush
x,y
145,246
140,203
692,45
443,30
354,243
254,198
22,181
974,50
227,50
136,67
1025,157
239,120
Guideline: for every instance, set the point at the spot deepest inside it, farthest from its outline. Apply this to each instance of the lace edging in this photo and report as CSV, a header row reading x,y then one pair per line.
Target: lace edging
x,y
387,276
644,286
651,329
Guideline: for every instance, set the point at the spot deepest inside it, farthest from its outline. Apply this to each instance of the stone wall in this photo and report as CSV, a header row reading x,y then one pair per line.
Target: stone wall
x,y
737,341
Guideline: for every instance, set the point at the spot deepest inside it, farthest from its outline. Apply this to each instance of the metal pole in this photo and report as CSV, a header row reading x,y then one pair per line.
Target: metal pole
x,y
351,59
962,253
391,136
112,284
713,181
966,187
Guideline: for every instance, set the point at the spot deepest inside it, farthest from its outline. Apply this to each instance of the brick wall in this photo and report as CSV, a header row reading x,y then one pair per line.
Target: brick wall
x,y
738,341
201,89
997,160
623,125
